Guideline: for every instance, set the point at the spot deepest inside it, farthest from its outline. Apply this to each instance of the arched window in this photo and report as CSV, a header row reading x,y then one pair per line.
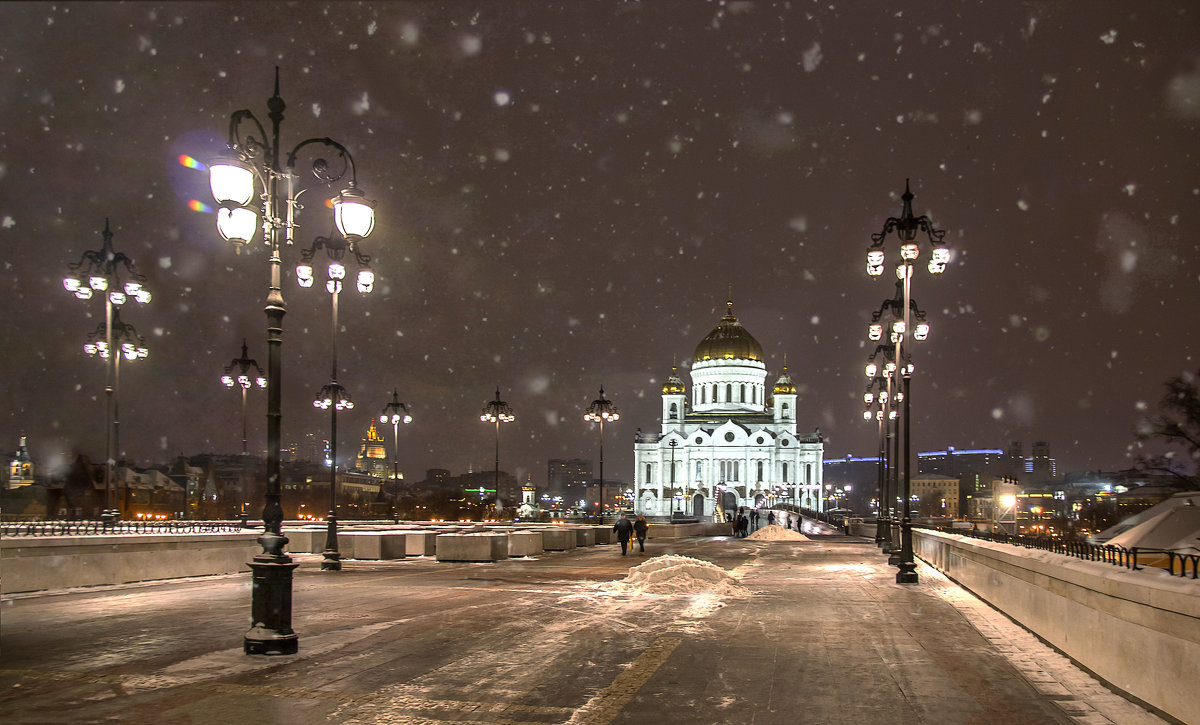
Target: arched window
x,y
754,394
728,392
808,473
785,473
649,478
742,394
674,411
760,476
699,470
703,395
786,412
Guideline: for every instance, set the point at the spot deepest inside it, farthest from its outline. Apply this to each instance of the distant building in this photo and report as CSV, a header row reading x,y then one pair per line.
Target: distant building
x,y
731,441
20,467
568,478
935,495
372,456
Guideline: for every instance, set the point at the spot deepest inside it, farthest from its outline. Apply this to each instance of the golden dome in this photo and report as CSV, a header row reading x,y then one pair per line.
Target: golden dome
x,y
729,341
784,385
673,386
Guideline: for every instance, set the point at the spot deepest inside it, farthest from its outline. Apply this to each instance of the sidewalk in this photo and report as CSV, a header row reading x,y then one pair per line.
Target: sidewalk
x,y
825,636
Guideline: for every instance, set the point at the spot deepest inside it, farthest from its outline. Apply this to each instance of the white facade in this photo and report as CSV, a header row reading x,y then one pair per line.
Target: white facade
x,y
732,441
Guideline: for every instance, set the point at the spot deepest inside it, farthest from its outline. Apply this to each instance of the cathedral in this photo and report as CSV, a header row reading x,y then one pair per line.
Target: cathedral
x,y
732,442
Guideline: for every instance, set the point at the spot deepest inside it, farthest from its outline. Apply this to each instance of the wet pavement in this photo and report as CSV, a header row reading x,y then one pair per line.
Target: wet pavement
x,y
824,636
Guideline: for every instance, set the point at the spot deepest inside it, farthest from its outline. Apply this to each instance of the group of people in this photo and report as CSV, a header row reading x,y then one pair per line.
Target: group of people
x,y
626,530
742,522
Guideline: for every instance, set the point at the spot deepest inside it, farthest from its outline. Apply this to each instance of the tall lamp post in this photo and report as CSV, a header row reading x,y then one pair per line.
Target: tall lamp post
x,y
674,444
333,396
497,411
255,157
599,411
113,275
906,229
395,413
237,373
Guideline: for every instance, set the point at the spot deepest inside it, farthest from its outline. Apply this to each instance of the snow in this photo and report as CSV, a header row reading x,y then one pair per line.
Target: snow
x,y
776,533
675,574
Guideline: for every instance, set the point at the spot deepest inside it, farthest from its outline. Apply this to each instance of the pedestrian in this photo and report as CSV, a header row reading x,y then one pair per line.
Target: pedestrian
x,y
797,523
624,529
754,520
743,524
639,528
771,518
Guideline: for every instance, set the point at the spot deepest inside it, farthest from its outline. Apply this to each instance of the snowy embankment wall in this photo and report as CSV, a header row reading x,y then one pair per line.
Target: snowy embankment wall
x,y
1138,630
60,562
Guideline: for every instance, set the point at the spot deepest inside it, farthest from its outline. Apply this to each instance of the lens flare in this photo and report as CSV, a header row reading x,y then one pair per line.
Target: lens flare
x,y
197,205
191,163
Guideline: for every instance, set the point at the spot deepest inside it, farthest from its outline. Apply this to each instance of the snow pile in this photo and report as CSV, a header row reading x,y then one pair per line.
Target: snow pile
x,y
674,574
777,533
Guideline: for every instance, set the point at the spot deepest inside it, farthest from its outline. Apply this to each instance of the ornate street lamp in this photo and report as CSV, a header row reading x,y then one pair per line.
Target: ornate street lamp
x,y
255,157
497,411
395,413
237,374
113,275
907,227
599,411
333,397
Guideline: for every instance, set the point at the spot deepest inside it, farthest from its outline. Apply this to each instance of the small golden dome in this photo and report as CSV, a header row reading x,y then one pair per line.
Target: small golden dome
x,y
673,386
784,385
729,341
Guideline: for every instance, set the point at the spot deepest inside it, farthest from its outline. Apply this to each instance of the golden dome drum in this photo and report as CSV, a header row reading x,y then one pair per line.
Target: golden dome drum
x,y
729,341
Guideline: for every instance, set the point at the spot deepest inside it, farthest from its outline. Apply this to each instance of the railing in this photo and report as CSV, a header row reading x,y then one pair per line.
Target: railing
x,y
1107,553
84,528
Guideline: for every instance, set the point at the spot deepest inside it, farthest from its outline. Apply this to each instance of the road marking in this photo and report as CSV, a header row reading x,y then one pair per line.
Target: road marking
x,y
607,704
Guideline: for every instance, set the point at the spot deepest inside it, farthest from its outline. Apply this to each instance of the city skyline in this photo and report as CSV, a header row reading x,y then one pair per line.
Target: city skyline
x,y
557,212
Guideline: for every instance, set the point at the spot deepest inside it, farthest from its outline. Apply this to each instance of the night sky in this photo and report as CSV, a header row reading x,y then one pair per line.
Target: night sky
x,y
567,192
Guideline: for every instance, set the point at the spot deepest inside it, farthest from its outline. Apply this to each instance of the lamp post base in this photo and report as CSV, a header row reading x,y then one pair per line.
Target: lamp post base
x,y
333,558
907,573
271,600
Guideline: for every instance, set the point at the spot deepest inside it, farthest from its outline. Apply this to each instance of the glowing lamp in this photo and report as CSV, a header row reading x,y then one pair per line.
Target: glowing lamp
x,y
867,415
227,381
868,398
922,331
871,369
366,281
71,284
899,327
236,224
98,283
910,251
354,214
304,275
231,182
116,297
875,331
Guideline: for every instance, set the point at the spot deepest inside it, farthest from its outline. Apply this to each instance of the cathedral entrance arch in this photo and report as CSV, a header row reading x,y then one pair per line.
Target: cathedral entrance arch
x,y
758,500
729,502
649,504
698,505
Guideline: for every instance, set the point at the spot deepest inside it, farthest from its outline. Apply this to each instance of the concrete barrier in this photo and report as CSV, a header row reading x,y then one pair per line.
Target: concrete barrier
x,y
61,562
584,535
605,535
472,547
372,544
1138,630
420,543
558,539
524,543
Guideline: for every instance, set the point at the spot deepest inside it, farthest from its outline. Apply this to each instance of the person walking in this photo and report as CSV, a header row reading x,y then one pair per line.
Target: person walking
x,y
639,529
770,518
624,530
754,520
